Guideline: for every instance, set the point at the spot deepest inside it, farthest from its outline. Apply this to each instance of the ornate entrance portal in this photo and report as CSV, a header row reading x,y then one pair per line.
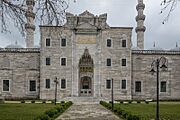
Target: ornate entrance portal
x,y
86,74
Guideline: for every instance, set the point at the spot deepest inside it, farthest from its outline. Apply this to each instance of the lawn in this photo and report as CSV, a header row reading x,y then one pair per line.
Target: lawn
x,y
22,111
168,110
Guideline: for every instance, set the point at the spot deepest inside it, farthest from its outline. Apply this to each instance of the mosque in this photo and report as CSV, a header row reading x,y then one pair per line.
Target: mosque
x,y
83,58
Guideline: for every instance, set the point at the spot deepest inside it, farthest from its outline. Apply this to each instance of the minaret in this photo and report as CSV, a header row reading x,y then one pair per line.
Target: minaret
x,y
29,26
140,29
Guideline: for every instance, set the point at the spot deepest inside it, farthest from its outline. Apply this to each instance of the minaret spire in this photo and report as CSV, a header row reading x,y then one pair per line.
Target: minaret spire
x,y
29,26
140,29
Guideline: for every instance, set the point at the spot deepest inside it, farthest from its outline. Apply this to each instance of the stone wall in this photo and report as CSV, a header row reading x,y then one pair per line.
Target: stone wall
x,y
141,65
55,52
116,71
19,66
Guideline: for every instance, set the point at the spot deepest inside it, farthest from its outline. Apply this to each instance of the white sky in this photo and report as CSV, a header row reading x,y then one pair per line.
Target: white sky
x,y
121,13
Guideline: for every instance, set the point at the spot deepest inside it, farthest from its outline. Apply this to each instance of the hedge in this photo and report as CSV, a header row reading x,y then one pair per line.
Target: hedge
x,y
121,113
54,112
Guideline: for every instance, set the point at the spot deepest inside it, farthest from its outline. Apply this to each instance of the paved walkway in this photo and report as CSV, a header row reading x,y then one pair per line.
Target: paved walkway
x,y
87,112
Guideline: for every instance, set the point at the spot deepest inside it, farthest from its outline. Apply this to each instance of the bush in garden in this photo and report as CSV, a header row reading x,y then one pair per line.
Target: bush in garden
x,y
44,101
22,101
42,117
122,113
54,112
129,101
32,101
51,112
147,102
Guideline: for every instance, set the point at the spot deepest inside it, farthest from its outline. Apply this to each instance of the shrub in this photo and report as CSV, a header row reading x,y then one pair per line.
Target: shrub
x,y
22,101
32,101
147,102
124,114
51,112
62,101
121,102
42,117
129,101
44,101
59,109
138,101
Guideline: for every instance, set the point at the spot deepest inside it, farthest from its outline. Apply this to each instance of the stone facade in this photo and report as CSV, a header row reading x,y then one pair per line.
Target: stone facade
x,y
19,66
92,54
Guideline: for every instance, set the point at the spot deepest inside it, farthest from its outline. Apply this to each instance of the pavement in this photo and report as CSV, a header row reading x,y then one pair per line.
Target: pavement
x,y
87,112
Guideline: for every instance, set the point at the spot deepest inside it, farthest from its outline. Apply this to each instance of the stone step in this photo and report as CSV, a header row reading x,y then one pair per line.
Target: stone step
x,y
83,100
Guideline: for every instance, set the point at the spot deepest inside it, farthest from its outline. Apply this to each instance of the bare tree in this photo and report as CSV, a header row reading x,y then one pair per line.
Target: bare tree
x,y
168,5
46,11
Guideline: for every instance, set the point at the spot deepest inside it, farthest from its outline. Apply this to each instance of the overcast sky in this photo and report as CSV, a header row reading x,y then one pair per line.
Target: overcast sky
x,y
121,13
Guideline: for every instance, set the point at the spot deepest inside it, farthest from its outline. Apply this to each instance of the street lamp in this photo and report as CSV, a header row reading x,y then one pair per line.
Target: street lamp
x,y
56,82
158,63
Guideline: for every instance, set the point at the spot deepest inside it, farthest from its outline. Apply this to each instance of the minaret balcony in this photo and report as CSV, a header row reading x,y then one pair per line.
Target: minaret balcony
x,y
140,29
30,26
30,2
30,14
140,17
140,6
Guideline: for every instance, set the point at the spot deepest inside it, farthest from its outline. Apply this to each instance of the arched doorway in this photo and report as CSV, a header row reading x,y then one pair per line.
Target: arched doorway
x,y
86,74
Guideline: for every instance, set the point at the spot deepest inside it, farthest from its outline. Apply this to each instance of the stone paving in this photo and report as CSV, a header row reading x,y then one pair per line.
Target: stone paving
x,y
87,112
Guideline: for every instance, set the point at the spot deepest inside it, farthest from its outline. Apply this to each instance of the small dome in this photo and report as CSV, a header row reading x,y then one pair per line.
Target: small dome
x,y
36,46
13,46
177,48
135,48
156,47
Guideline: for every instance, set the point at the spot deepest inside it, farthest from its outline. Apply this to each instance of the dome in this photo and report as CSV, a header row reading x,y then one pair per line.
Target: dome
x,y
177,48
36,46
156,47
13,46
135,48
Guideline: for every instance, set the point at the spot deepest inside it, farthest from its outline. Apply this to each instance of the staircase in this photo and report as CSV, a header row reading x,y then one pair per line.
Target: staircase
x,y
84,100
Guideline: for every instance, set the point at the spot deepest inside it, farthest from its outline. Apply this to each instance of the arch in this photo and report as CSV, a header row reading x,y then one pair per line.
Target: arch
x,y
86,71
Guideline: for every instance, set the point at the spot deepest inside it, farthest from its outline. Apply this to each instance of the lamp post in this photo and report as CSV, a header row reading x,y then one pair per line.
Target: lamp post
x,y
112,95
158,63
56,82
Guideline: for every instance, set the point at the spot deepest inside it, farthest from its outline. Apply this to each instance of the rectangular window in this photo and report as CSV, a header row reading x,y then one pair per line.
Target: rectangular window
x,y
63,61
108,84
47,83
6,85
109,43
48,42
123,43
123,62
123,84
138,86
63,83
48,61
63,42
32,85
108,62
163,86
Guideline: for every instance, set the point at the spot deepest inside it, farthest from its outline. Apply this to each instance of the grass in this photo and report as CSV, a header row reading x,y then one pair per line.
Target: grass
x,y
22,111
168,110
